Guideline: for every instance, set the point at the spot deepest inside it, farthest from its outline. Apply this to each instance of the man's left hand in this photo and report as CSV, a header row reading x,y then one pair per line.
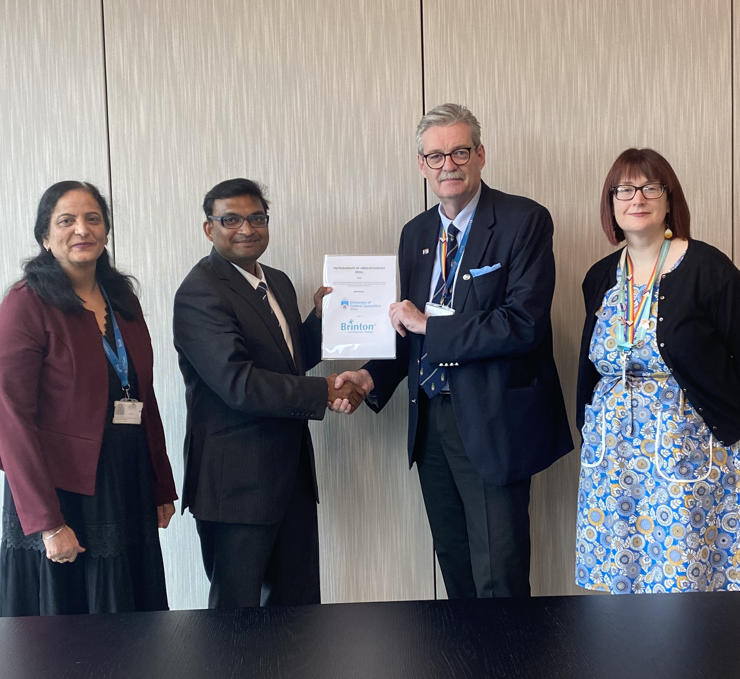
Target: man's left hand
x,y
406,317
318,296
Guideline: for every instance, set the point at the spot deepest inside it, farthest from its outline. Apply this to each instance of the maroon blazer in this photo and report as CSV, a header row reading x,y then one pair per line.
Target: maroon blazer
x,y
53,403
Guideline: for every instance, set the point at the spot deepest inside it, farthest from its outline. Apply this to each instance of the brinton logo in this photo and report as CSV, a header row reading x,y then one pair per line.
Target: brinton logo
x,y
356,328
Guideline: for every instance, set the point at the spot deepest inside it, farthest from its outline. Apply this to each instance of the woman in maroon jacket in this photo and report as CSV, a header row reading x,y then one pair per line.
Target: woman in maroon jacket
x,y
87,479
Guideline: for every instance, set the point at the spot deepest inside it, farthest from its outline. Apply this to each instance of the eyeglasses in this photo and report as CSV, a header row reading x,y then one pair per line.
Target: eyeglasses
x,y
459,156
256,220
649,191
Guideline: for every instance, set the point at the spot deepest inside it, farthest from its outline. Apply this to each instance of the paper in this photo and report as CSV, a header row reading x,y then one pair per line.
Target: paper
x,y
355,322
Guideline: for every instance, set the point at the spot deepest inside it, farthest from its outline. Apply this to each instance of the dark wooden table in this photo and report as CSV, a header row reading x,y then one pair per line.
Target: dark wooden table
x,y
626,637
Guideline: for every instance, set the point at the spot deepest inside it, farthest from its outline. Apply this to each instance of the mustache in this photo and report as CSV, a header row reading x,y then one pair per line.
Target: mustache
x,y
456,174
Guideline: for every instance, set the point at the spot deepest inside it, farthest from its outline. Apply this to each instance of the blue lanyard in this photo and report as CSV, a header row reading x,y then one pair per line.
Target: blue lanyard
x,y
458,257
118,359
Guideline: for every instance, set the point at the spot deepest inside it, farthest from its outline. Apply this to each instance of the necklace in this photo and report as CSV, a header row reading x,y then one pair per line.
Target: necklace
x,y
633,318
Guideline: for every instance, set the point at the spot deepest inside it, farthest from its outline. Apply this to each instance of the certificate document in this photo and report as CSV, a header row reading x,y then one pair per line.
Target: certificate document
x,y
354,317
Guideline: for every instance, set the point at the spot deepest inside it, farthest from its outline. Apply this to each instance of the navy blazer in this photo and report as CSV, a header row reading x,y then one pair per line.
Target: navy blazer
x,y
504,384
248,400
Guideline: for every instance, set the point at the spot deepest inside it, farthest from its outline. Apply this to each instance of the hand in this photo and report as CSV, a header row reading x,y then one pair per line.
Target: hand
x,y
345,398
318,296
164,514
360,378
405,316
61,545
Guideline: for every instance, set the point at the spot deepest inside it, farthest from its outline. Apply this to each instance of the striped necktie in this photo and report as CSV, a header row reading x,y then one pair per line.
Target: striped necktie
x,y
261,290
431,378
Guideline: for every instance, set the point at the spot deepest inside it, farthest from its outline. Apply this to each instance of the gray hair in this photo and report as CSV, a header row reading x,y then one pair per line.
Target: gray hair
x,y
447,114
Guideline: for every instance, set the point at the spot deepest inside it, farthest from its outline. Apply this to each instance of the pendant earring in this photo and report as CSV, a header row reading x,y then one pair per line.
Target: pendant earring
x,y
668,233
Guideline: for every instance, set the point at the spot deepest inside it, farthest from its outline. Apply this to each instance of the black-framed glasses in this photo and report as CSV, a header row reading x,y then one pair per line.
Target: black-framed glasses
x,y
650,191
436,160
256,220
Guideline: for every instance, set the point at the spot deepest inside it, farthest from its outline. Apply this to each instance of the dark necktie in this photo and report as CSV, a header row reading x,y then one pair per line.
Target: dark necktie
x,y
431,378
261,290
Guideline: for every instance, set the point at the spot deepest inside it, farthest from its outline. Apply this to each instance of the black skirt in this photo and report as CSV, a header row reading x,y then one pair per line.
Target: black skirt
x,y
121,569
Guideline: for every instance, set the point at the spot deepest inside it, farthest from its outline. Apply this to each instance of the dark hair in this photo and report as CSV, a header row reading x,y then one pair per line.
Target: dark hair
x,y
47,279
656,168
231,188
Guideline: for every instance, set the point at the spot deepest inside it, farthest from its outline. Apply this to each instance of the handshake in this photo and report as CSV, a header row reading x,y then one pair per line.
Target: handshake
x,y
348,390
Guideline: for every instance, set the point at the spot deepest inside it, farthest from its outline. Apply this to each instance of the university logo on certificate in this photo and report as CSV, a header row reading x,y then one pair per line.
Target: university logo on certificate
x,y
354,317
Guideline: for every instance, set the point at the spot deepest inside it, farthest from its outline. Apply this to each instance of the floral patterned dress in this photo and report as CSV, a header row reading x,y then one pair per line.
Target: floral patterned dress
x,y
664,520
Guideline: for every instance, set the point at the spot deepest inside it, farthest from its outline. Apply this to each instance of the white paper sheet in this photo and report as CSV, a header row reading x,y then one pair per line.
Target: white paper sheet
x,y
355,322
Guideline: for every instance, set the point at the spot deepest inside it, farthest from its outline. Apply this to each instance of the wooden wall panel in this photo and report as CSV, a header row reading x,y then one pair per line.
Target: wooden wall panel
x,y
561,88
52,112
319,102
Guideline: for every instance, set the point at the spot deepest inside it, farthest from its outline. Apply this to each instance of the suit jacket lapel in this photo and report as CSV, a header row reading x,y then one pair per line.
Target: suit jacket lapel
x,y
421,282
237,282
293,326
481,231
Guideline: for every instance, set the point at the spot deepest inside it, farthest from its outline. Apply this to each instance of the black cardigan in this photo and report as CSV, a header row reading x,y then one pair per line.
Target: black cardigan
x,y
698,333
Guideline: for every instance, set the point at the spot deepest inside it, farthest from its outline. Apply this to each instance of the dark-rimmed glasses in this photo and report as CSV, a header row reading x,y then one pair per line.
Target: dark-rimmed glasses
x,y
256,220
649,191
436,160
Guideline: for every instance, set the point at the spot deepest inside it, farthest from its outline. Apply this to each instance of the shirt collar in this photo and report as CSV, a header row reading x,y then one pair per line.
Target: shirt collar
x,y
462,219
253,280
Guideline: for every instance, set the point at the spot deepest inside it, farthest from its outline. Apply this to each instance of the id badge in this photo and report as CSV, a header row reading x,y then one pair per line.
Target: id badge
x,y
127,411
432,309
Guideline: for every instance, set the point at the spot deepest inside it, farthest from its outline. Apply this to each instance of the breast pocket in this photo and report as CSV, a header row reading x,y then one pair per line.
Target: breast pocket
x,y
489,286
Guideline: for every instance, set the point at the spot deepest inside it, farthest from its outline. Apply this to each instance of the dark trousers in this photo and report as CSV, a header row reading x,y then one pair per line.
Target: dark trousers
x,y
480,531
265,565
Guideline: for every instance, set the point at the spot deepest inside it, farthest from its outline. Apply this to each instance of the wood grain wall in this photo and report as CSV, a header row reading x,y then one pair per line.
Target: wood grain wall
x,y
318,99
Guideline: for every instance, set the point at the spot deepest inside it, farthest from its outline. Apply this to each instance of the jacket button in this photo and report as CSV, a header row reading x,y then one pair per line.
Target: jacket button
x,y
662,344
660,319
662,297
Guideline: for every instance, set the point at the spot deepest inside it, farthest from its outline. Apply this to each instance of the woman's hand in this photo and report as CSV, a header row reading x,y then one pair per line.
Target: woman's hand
x,y
164,514
61,544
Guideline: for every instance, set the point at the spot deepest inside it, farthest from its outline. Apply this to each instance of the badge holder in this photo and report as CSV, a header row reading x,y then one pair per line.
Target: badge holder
x,y
127,410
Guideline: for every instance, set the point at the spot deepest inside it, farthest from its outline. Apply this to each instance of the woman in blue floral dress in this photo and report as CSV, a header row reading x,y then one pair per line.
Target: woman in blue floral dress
x,y
658,397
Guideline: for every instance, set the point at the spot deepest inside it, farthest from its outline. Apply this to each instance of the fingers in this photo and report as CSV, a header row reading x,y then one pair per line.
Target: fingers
x,y
395,312
341,406
361,378
405,317
398,326
62,545
319,296
164,513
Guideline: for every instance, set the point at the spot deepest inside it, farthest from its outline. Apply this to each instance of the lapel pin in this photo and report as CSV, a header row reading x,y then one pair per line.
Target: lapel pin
x,y
425,251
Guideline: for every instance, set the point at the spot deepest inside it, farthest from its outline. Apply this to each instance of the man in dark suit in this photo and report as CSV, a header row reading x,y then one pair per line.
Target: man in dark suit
x,y
486,410
250,479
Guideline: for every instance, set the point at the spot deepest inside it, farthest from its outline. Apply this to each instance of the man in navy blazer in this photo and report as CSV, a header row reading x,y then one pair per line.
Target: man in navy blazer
x,y
250,479
486,410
